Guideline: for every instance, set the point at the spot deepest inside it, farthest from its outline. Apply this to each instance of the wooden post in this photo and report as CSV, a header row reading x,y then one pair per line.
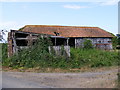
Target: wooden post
x,y
55,41
10,45
30,40
67,41
14,43
75,42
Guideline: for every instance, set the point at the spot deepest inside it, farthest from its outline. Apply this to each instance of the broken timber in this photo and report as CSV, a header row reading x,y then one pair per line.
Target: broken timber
x,y
18,40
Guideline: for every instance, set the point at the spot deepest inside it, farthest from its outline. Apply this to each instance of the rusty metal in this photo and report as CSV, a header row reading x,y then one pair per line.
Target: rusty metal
x,y
67,31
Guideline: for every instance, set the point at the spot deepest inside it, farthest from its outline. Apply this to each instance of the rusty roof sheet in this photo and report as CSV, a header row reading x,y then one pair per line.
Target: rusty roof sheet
x,y
67,31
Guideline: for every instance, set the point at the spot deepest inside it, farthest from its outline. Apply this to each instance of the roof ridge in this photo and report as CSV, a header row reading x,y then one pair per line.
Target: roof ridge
x,y
58,26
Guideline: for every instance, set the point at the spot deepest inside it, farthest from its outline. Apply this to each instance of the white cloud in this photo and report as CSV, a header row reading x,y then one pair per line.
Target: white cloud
x,y
97,2
110,2
74,6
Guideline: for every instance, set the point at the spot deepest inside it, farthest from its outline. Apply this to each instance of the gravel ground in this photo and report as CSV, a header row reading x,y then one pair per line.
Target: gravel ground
x,y
101,79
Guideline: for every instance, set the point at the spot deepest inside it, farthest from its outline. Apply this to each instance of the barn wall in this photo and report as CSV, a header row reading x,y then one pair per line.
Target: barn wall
x,y
10,45
101,43
18,40
59,51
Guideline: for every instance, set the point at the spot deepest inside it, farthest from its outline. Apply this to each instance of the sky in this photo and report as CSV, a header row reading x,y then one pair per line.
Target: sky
x,y
14,15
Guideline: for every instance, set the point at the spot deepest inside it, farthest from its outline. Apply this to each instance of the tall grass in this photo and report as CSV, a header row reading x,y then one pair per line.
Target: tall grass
x,y
35,56
94,57
39,56
3,51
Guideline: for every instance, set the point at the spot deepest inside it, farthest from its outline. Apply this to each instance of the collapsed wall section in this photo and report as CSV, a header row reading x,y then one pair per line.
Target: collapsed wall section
x,y
18,40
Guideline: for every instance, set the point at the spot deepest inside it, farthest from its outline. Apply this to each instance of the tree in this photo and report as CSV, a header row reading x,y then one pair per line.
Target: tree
x,y
114,42
118,37
118,41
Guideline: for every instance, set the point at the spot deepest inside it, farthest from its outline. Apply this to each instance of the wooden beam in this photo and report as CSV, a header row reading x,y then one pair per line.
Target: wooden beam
x,y
67,41
30,40
55,41
75,43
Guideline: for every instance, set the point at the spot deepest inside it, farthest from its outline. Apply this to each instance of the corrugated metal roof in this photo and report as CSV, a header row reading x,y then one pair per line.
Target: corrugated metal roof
x,y
67,31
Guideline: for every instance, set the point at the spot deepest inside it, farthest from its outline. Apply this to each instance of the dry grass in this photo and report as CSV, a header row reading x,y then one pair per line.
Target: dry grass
x,y
58,70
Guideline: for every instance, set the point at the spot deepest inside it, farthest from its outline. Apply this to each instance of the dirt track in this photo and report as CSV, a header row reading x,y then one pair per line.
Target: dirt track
x,y
101,79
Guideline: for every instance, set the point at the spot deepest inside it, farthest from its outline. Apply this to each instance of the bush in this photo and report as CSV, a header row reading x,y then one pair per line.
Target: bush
x,y
114,42
88,44
39,56
4,52
93,57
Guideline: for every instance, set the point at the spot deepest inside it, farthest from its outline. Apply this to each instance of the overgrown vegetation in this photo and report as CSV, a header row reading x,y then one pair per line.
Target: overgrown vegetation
x,y
88,44
114,42
94,58
39,56
118,70
35,56
4,51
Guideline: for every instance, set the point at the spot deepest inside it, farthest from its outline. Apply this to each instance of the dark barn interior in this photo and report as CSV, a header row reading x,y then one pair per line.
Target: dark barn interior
x,y
72,42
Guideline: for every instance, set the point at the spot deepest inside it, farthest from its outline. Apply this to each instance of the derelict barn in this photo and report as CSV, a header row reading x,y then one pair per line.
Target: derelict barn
x,y
68,36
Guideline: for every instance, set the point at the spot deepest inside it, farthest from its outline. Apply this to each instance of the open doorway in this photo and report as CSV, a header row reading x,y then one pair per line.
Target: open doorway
x,y
72,42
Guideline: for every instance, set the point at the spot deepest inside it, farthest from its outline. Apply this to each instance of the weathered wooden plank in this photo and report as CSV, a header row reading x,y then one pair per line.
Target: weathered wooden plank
x,y
58,50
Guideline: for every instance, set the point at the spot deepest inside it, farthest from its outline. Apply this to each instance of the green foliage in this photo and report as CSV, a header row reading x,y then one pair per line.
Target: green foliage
x,y
118,36
88,44
114,42
118,72
4,52
93,57
118,41
39,56
36,56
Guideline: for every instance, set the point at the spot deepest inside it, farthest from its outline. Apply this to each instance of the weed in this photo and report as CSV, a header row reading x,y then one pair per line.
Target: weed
x,y
38,56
